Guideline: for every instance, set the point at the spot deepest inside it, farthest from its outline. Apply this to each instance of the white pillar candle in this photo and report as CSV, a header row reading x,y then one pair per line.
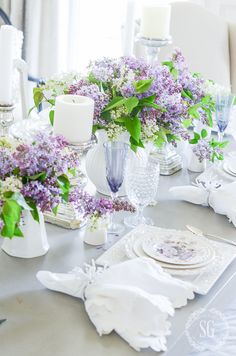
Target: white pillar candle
x,y
74,117
7,38
155,20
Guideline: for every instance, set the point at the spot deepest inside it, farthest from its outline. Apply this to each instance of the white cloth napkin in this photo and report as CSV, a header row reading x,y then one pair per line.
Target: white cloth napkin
x,y
134,298
222,199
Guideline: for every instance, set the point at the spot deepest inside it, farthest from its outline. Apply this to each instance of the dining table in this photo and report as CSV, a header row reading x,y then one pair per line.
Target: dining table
x,y
40,322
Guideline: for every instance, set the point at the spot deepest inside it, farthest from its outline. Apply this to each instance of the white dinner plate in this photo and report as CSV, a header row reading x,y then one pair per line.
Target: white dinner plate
x,y
227,170
232,166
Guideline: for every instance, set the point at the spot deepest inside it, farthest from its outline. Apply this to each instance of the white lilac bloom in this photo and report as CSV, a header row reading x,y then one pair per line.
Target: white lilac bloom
x,y
114,131
58,84
149,131
11,184
9,143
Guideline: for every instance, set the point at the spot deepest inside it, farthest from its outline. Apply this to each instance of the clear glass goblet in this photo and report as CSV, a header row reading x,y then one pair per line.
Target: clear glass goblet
x,y
141,183
224,102
115,157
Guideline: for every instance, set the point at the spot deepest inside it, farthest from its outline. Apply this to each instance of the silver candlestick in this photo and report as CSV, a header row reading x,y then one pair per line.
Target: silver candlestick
x,y
170,161
153,46
6,119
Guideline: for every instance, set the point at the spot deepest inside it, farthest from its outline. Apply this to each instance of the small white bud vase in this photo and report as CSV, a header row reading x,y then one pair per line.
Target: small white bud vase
x,y
193,163
96,232
33,244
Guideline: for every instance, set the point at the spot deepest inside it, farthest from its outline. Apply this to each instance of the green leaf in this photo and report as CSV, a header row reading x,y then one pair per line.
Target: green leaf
x,y
38,96
120,120
197,75
187,94
18,232
51,101
197,136
204,133
131,103
134,144
175,73
187,123
234,102
72,171
161,138
106,115
193,141
64,184
206,99
223,144
39,176
55,210
141,86
148,99
12,210
51,116
34,210
169,64
11,214
97,127
114,103
19,198
193,111
133,125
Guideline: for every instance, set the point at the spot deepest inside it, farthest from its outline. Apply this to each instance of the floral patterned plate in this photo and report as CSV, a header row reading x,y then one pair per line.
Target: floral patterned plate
x,y
179,249
133,249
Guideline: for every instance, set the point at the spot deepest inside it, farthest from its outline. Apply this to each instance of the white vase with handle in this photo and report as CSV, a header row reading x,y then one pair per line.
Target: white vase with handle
x,y
96,165
33,244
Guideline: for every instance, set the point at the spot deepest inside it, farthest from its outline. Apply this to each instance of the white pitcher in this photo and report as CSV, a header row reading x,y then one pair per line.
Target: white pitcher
x,y
33,244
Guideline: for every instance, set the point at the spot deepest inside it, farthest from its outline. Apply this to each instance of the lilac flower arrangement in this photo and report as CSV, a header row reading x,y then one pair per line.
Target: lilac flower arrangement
x,y
33,177
94,209
156,103
36,177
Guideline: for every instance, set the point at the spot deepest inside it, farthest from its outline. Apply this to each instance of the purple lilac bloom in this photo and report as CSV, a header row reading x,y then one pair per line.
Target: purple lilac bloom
x,y
90,205
105,69
44,194
46,154
7,162
202,150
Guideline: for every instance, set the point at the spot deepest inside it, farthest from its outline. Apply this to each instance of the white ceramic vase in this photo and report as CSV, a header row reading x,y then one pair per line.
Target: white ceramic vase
x,y
96,165
193,163
33,244
96,235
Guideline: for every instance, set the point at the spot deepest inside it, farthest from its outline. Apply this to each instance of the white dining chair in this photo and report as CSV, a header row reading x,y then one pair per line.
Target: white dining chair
x,y
205,40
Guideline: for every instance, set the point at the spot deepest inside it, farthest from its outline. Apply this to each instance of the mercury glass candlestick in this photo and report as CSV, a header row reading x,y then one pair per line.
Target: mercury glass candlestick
x,y
6,119
153,46
170,162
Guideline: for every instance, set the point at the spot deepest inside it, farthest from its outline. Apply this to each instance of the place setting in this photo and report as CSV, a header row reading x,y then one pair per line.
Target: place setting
x,y
99,157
